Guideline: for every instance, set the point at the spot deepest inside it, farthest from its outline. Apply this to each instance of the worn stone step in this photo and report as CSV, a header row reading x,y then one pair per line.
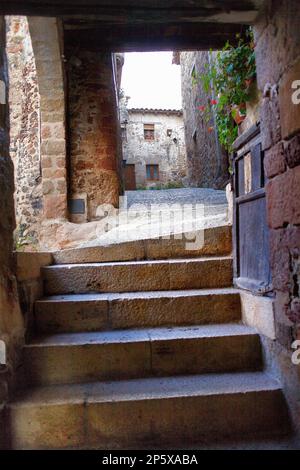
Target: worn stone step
x,y
95,312
133,276
147,412
120,354
216,241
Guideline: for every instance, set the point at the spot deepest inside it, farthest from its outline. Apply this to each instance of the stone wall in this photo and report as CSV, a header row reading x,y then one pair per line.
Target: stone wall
x,y
24,101
93,130
47,41
166,151
11,321
207,163
277,37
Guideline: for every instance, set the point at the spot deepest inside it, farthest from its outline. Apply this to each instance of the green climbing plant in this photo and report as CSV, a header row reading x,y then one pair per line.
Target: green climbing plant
x,y
229,77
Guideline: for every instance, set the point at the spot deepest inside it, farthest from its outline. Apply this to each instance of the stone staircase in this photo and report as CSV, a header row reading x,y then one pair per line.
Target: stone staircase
x,y
139,354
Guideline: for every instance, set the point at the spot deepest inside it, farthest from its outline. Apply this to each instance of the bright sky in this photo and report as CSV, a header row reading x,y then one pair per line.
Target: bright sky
x,y
151,80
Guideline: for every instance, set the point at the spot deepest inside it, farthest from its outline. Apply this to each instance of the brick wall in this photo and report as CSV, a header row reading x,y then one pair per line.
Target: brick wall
x,y
207,164
277,37
24,130
93,129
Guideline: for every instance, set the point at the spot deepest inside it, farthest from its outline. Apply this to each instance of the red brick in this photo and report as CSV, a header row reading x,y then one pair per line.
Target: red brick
x,y
46,162
60,162
55,206
46,132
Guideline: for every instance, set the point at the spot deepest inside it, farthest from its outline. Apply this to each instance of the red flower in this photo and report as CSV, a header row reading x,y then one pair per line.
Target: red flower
x,y
213,101
201,108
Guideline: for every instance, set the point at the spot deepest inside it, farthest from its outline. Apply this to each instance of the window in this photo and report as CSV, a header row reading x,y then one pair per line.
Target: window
x,y
124,134
149,131
152,172
169,132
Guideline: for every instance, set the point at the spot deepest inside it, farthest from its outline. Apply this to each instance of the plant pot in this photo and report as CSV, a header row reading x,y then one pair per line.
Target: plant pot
x,y
248,82
238,113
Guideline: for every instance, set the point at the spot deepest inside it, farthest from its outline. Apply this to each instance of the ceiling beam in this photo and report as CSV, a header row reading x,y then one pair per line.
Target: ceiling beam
x,y
128,38
223,11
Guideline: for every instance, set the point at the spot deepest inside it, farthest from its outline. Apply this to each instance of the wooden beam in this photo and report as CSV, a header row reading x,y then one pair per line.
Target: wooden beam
x,y
228,11
127,38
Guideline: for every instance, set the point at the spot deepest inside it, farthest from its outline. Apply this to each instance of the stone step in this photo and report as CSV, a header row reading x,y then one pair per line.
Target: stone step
x,y
216,242
170,411
96,312
120,354
133,276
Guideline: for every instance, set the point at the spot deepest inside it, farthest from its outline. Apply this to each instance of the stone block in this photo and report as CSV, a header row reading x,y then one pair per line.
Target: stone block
x,y
280,200
292,152
289,108
48,187
270,118
142,310
55,206
29,264
72,314
60,424
274,161
139,276
258,312
53,147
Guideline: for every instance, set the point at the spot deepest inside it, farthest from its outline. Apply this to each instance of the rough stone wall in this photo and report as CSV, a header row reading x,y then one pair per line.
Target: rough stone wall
x,y
207,163
93,129
11,322
24,103
166,151
277,37
47,42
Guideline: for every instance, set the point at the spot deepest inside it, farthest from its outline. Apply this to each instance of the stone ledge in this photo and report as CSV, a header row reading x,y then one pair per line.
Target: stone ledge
x,y
258,312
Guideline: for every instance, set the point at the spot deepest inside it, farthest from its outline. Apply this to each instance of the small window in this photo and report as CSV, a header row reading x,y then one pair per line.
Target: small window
x,y
152,172
169,132
149,131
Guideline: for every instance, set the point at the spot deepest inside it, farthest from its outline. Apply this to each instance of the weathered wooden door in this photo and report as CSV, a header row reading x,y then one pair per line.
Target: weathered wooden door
x,y
250,230
130,182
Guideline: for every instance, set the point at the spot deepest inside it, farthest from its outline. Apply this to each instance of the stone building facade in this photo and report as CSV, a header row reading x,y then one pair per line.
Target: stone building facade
x,y
153,147
207,163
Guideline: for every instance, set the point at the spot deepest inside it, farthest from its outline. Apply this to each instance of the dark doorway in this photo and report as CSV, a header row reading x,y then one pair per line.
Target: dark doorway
x,y
130,182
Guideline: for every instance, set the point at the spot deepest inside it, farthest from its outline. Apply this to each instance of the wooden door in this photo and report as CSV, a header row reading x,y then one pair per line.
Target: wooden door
x,y
130,182
250,230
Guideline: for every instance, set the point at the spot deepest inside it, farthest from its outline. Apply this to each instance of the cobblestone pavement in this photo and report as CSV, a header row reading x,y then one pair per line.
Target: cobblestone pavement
x,y
204,196
155,218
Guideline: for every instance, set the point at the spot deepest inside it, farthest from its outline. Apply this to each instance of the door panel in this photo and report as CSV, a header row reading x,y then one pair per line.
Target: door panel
x,y
130,181
250,230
